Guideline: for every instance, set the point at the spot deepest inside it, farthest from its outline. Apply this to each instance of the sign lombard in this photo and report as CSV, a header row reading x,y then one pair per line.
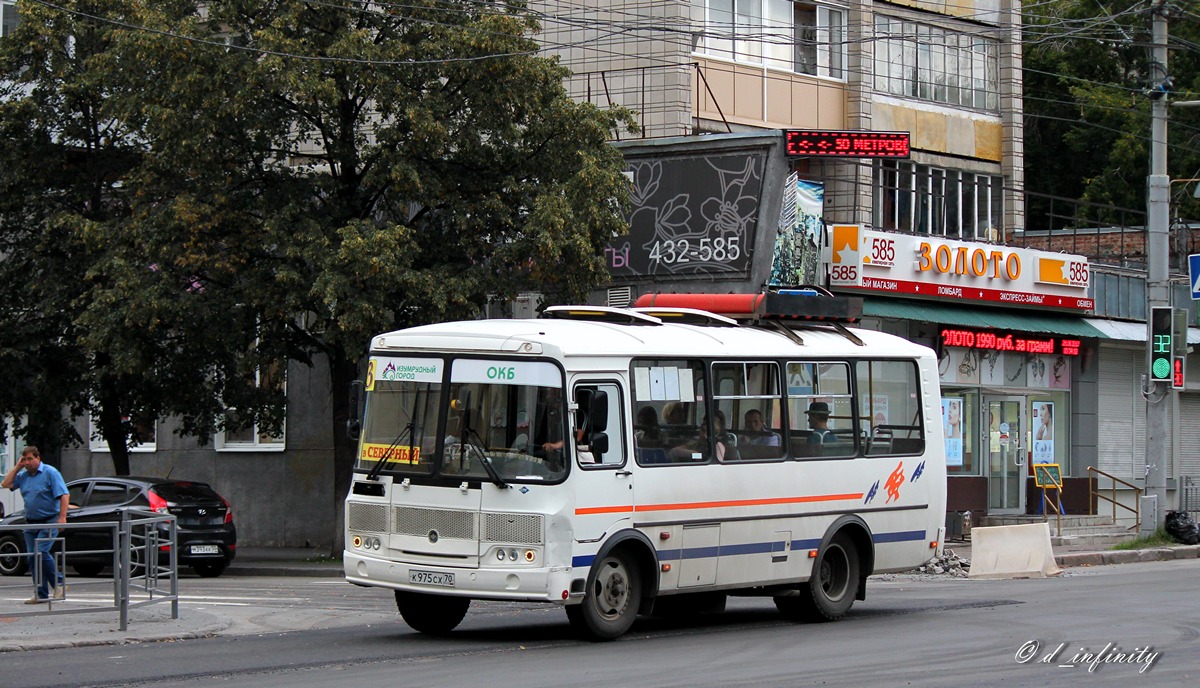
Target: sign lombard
x,y
932,267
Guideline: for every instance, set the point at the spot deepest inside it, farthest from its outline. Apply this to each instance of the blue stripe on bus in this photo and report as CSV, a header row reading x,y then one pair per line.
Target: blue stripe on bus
x,y
901,536
756,548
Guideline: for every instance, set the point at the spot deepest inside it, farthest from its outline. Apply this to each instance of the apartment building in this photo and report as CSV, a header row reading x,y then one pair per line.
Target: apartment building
x,y
714,82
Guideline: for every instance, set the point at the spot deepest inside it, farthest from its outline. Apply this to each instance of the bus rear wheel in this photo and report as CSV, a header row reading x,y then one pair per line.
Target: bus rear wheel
x,y
431,614
610,605
831,590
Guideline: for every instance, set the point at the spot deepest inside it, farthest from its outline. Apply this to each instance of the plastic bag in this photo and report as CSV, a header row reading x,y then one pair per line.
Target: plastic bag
x,y
1182,527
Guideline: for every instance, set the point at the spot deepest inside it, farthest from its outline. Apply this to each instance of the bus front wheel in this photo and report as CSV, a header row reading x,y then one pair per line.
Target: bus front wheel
x,y
831,590
611,602
431,614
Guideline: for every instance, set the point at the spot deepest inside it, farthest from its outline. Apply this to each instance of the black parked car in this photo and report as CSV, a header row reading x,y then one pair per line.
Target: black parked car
x,y
207,538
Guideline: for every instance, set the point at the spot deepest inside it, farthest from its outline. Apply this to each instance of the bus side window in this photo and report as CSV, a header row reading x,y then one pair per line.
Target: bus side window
x,y
613,429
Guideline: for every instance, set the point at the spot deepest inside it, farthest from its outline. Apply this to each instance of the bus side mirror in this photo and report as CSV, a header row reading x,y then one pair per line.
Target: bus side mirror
x,y
598,411
354,424
598,444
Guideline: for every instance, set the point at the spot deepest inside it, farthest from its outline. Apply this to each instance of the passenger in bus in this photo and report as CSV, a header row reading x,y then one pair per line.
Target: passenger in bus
x,y
818,422
675,413
726,442
755,434
648,432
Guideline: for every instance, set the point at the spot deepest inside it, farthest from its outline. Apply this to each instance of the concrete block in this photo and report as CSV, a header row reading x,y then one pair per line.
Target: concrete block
x,y
1016,551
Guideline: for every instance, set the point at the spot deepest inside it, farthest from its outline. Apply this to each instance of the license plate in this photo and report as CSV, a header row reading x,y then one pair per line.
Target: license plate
x,y
205,549
445,580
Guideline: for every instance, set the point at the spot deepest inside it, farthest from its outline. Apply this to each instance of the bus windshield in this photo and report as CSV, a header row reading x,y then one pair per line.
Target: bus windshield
x,y
497,421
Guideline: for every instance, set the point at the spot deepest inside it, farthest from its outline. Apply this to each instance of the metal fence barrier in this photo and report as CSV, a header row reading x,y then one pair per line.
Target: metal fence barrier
x,y
1189,495
143,556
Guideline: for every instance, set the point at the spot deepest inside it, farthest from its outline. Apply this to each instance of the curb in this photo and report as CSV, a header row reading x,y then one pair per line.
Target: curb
x,y
42,644
302,571
1127,556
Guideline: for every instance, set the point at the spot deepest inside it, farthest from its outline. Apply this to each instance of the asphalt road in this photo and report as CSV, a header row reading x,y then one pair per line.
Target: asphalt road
x,y
911,631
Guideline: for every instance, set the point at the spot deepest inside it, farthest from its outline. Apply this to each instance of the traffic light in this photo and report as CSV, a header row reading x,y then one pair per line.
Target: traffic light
x,y
1179,346
1162,326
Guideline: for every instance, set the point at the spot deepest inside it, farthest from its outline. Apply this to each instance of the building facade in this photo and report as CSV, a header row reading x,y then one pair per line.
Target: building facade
x,y
713,82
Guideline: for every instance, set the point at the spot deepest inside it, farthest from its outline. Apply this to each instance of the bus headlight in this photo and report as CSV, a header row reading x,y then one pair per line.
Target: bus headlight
x,y
506,555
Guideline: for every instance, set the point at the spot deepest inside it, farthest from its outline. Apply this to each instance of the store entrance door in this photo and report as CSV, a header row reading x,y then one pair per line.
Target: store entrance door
x,y
1004,419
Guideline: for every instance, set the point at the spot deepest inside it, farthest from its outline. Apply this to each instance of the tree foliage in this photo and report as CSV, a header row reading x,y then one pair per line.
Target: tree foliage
x,y
304,175
1088,70
100,324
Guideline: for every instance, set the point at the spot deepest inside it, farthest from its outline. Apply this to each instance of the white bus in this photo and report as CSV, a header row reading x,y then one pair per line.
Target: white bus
x,y
629,461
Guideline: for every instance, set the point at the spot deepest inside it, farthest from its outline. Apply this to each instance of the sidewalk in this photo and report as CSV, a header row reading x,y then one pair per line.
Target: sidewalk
x,y
154,623
1067,556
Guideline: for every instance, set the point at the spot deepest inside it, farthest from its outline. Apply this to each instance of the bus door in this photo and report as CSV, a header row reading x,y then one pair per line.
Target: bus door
x,y
603,483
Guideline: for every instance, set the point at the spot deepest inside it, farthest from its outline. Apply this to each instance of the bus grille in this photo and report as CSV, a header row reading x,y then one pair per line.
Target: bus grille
x,y
459,525
371,518
517,529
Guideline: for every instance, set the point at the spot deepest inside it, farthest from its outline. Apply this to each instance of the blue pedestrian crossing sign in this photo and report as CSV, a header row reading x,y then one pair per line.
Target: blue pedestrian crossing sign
x,y
1194,275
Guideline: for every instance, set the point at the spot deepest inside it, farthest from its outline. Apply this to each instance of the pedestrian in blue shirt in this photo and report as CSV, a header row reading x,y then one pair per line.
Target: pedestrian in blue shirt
x,y
46,500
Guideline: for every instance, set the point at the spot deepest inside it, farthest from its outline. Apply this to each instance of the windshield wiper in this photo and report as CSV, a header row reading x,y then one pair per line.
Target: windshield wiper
x,y
374,473
469,435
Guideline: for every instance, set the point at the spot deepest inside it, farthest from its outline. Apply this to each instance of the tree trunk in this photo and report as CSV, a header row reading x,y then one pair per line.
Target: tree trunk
x,y
341,374
113,432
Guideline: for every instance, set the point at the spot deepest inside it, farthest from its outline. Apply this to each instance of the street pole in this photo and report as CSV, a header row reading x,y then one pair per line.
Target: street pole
x,y
1159,395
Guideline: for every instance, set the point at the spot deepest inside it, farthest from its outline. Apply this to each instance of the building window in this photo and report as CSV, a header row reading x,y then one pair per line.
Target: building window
x,y
921,199
931,63
143,438
800,37
254,437
9,18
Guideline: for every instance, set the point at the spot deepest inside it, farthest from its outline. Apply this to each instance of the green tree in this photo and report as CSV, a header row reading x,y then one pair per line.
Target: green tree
x,y
1088,67
325,171
96,323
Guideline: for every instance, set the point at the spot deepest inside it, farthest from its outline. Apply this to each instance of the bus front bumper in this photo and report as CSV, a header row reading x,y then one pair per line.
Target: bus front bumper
x,y
523,584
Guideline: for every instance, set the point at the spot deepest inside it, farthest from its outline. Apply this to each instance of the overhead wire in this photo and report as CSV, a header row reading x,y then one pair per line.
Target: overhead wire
x,y
578,15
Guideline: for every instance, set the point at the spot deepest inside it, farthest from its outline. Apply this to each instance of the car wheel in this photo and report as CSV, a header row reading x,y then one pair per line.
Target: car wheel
x,y
12,563
209,570
611,602
89,570
831,590
431,614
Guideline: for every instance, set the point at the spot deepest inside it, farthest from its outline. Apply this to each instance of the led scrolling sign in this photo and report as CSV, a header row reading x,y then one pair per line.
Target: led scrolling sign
x,y
1008,341
846,144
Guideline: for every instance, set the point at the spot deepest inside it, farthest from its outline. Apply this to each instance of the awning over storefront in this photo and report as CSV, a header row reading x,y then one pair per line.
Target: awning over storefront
x,y
973,316
1132,331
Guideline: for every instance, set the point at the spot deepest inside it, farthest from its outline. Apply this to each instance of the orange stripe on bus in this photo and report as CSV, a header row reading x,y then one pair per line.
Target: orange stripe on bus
x,y
718,505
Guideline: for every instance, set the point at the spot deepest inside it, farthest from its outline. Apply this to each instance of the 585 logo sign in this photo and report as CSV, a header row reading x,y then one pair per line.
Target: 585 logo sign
x,y
845,260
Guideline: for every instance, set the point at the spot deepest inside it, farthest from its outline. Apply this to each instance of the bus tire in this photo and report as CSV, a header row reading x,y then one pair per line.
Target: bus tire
x,y
431,614
831,590
610,605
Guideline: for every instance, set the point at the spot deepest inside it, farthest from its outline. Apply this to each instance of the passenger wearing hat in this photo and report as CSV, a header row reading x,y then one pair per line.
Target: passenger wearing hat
x,y
818,421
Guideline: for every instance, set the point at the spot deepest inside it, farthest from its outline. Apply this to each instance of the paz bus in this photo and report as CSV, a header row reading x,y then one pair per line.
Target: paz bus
x,y
626,461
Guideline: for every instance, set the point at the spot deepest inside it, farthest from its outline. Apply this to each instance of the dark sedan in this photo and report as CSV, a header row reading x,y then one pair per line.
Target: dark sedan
x,y
207,538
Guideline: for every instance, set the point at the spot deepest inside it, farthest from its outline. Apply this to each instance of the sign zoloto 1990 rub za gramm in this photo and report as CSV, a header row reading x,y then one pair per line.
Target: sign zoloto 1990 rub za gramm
x,y
936,268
